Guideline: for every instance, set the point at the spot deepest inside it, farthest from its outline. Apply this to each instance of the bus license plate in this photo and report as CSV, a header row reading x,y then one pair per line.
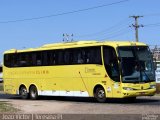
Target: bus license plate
x,y
142,93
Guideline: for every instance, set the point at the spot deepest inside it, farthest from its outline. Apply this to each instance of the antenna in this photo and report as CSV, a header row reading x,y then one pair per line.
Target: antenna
x,y
67,37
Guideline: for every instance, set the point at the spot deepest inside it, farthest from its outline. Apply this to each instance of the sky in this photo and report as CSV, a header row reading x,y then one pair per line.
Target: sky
x,y
33,23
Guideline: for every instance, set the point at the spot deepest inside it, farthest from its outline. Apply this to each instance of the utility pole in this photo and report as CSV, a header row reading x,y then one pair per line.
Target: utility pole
x,y
136,26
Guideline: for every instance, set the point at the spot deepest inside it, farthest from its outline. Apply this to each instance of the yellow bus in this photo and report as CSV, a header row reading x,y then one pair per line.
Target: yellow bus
x,y
81,69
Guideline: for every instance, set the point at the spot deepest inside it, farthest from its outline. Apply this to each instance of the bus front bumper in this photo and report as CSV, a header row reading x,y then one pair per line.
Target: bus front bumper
x,y
135,93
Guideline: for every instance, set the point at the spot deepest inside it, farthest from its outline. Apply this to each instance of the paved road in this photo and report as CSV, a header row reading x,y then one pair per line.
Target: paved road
x,y
69,105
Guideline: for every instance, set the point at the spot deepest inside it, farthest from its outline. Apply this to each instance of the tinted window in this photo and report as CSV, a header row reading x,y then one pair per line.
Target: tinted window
x,y
86,55
93,56
111,63
48,58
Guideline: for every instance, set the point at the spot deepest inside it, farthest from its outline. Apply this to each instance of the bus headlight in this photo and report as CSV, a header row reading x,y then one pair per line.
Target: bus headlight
x,y
127,88
152,86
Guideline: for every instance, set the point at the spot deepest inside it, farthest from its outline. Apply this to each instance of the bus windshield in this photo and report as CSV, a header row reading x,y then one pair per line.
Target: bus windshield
x,y
137,64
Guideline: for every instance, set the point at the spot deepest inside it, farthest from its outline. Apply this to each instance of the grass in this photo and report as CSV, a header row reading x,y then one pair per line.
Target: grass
x,y
7,107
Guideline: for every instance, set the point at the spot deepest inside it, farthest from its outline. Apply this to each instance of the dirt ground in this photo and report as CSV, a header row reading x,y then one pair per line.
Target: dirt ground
x,y
72,105
67,105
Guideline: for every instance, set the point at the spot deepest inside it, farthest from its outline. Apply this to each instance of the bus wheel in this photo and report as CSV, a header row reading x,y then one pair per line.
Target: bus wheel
x,y
100,94
23,92
33,93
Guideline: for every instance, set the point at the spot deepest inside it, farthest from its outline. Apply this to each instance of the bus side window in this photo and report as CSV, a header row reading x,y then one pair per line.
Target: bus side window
x,y
93,55
22,60
76,56
59,57
28,59
7,60
45,58
38,58
67,57
14,60
111,63
79,58
48,58
33,59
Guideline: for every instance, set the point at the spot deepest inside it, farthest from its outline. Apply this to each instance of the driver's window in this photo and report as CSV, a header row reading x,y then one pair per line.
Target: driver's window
x,y
111,63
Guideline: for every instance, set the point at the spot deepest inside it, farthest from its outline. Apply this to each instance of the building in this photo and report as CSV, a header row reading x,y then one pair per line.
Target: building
x,y
156,53
158,72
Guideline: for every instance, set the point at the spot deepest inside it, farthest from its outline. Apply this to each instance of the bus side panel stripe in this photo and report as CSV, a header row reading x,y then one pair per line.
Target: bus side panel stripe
x,y
63,93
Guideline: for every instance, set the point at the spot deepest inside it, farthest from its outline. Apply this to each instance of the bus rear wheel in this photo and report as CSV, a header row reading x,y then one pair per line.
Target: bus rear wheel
x,y
100,95
33,93
23,92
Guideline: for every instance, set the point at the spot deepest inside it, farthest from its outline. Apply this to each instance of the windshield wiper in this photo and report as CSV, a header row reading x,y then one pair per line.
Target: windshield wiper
x,y
142,70
146,75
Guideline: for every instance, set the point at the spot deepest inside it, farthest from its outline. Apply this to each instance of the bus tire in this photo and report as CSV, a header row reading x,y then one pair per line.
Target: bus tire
x,y
33,93
100,95
23,92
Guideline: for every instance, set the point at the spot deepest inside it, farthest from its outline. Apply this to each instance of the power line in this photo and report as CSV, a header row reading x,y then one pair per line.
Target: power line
x,y
152,25
152,14
110,32
64,13
104,31
125,31
118,31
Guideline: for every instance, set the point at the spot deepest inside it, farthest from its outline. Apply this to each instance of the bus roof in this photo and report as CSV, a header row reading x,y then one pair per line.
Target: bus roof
x,y
75,44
